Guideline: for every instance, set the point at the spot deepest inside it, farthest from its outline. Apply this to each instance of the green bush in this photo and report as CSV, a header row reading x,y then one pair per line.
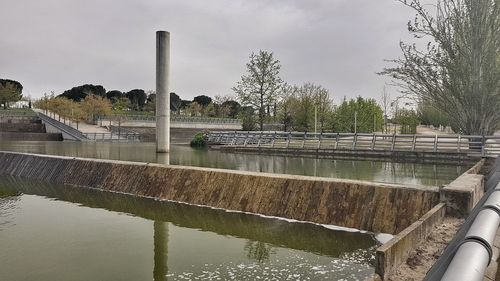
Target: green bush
x,y
199,140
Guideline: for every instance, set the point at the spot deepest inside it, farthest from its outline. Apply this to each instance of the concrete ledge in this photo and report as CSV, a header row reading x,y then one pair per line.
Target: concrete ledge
x,y
418,156
476,168
395,252
375,207
462,194
18,136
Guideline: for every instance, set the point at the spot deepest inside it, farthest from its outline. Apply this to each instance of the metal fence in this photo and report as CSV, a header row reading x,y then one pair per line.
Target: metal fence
x,y
173,118
121,136
76,134
483,145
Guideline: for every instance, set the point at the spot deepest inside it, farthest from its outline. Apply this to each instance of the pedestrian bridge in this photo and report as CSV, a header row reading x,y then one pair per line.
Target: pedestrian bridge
x,y
357,144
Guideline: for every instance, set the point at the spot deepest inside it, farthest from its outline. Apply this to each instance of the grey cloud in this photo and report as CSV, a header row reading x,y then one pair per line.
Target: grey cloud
x,y
53,45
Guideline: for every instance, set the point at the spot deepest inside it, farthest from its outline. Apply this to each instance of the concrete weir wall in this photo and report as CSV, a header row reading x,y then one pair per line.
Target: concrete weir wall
x,y
395,252
457,199
367,206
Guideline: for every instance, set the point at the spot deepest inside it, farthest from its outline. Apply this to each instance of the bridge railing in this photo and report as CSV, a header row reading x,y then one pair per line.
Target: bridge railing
x,y
483,145
173,118
76,134
123,136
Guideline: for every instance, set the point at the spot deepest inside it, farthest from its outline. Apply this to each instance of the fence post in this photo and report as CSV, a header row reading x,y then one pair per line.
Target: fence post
x,y
436,143
459,144
288,139
274,139
414,142
304,140
483,143
336,141
393,141
354,140
374,139
245,141
319,140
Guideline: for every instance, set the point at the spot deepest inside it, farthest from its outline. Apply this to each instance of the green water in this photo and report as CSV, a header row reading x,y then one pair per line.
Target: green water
x,y
54,232
388,172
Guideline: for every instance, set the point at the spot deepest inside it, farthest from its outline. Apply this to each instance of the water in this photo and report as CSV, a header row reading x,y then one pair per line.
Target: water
x,y
55,232
376,171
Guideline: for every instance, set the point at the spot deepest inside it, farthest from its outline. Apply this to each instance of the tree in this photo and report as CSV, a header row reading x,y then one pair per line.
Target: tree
x,y
194,109
10,91
233,108
80,92
303,107
323,104
121,104
258,88
285,107
429,115
114,95
247,116
175,102
408,119
185,104
357,115
459,70
95,106
202,100
137,98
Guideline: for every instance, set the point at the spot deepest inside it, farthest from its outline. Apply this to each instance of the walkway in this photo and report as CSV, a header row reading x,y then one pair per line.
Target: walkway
x,y
89,131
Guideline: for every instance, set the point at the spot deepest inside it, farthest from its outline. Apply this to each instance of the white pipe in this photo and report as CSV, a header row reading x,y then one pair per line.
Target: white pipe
x,y
484,227
468,264
474,255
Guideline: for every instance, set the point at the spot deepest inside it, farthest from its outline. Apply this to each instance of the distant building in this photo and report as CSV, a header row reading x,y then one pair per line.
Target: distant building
x,y
20,104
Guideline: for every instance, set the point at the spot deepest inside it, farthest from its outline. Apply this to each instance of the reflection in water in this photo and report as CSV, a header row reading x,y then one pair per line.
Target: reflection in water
x,y
160,270
163,158
115,235
258,250
300,236
392,172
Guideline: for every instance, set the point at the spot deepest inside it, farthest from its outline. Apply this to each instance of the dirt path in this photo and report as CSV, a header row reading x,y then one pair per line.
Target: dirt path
x,y
421,259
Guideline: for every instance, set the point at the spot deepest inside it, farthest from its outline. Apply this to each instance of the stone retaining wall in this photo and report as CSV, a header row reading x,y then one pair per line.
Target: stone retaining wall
x,y
17,136
374,207
22,127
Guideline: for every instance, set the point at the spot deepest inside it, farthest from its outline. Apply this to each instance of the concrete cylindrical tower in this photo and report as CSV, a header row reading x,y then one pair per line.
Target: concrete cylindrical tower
x,y
162,91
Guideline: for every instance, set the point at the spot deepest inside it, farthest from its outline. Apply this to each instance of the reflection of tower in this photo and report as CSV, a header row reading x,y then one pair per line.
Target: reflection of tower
x,y
163,158
160,270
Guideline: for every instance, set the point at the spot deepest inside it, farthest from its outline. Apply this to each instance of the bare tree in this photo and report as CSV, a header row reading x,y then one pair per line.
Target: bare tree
x,y
459,70
259,87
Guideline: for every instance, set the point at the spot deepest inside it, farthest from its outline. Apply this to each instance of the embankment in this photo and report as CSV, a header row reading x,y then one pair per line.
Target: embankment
x,y
25,128
374,207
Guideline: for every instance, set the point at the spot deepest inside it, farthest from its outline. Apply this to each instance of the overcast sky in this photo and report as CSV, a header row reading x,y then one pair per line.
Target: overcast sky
x,y
53,45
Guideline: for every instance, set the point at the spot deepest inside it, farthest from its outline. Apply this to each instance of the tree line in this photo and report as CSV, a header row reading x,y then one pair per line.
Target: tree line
x,y
307,107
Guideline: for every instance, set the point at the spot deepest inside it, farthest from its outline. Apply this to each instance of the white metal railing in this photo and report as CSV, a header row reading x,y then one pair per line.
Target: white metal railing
x,y
123,136
173,118
483,145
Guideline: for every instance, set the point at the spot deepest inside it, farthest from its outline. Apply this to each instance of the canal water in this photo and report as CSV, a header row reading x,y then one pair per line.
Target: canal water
x,y
54,232
376,171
